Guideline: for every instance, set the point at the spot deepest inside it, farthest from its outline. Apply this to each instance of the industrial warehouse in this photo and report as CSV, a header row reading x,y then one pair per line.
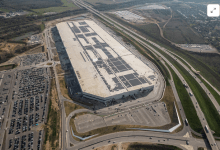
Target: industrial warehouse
x,y
104,68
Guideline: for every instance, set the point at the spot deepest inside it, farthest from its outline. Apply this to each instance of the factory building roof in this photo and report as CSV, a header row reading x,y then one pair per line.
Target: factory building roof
x,y
103,66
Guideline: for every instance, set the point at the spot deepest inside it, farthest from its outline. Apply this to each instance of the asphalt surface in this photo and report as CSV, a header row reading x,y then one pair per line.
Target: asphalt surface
x,y
10,86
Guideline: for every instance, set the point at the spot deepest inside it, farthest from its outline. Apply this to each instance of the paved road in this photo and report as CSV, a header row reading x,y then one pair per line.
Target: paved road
x,y
3,128
181,110
138,136
60,97
131,136
131,33
196,78
70,138
201,84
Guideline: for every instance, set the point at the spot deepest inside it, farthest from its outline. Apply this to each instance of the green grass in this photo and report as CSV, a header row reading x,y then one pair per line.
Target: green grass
x,y
187,104
212,91
52,126
4,10
66,6
42,26
205,103
53,137
48,117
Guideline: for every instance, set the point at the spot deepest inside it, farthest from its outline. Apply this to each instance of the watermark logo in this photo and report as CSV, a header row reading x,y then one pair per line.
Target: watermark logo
x,y
213,10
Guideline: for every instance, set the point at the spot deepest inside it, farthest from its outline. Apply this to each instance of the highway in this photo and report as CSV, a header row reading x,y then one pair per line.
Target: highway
x,y
138,136
131,136
131,34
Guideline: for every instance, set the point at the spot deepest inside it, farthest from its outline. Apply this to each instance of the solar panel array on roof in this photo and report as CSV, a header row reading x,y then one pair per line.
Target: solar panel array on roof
x,y
75,29
111,63
84,29
82,23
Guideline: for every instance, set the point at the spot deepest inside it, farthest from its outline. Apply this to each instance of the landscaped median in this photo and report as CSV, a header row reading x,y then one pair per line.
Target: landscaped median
x,y
214,93
205,103
187,104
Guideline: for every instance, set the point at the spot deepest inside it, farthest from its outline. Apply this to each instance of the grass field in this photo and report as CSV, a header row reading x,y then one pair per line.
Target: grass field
x,y
214,93
66,6
212,60
4,10
178,31
42,26
69,107
97,2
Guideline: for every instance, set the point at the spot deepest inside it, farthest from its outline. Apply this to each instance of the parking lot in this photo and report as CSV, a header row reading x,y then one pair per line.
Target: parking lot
x,y
6,80
33,59
35,39
129,16
152,115
29,91
200,48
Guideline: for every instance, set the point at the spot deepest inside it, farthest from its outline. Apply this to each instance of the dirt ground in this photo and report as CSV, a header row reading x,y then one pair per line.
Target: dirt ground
x,y
59,69
10,47
125,146
56,58
35,50
118,146
69,107
63,88
52,128
6,67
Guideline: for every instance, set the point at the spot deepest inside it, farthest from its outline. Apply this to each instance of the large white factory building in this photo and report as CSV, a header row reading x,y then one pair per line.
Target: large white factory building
x,y
104,68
